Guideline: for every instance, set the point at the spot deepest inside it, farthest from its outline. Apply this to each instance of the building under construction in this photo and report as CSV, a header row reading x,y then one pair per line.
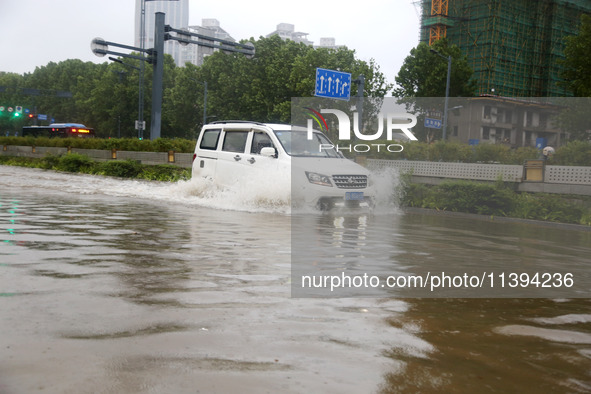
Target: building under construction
x,y
513,46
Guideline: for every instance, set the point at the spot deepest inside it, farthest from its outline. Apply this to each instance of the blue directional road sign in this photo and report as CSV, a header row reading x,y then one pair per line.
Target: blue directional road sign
x,y
433,123
333,84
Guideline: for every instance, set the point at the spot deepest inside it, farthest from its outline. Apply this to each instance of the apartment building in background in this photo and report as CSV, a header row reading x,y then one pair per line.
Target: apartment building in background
x,y
513,46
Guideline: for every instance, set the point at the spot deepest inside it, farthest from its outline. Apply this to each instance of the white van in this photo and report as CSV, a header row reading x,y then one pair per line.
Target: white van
x,y
231,151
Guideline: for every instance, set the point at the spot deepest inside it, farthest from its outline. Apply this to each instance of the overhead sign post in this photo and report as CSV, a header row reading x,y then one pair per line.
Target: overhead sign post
x,y
333,84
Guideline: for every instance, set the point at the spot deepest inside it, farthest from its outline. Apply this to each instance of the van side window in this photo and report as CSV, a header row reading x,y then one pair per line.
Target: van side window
x,y
210,139
235,141
260,140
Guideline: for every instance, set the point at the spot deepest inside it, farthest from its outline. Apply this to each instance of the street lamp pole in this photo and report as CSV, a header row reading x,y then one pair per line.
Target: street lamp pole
x,y
204,102
448,58
204,83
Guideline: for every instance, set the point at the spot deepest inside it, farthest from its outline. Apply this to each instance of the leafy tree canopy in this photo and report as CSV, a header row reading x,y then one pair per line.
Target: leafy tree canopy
x,y
424,74
577,63
106,96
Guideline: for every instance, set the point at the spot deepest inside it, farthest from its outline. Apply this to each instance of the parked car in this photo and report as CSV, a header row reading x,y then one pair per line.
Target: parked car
x,y
233,151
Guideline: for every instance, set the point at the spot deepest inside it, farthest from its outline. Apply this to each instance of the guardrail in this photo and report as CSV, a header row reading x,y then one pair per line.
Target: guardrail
x,y
473,171
533,176
151,158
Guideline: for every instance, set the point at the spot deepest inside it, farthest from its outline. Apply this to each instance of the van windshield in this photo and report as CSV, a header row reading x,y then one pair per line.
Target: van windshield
x,y
297,144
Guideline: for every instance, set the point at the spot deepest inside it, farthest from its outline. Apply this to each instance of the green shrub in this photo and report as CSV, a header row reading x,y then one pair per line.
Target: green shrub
x,y
165,172
547,207
49,162
415,151
491,153
127,144
520,155
120,168
575,153
471,197
414,195
498,200
19,161
162,145
449,152
74,162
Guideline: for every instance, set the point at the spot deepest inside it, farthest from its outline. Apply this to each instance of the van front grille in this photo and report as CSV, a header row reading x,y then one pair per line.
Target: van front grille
x,y
350,181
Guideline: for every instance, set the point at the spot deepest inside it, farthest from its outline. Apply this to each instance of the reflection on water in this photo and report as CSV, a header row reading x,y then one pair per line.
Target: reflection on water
x,y
441,256
496,345
116,293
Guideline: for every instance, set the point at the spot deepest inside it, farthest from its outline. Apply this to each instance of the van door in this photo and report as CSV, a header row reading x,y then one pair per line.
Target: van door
x,y
270,175
230,167
205,162
257,164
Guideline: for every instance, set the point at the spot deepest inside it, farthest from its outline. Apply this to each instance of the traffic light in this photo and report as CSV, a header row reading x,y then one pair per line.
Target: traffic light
x,y
152,56
18,112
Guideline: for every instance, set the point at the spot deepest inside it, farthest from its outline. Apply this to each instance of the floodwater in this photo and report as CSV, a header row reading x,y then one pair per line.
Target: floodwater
x,y
119,286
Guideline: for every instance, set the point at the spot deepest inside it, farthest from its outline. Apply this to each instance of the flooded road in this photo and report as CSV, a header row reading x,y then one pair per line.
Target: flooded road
x,y
119,286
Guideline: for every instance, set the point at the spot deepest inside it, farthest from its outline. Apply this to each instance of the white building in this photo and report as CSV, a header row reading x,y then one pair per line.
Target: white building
x,y
176,15
287,32
195,54
328,42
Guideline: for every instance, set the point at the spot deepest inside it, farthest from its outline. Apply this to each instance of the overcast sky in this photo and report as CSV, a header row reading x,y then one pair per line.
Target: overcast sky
x,y
35,32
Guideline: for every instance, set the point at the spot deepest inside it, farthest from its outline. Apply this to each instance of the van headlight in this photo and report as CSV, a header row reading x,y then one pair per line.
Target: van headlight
x,y
318,179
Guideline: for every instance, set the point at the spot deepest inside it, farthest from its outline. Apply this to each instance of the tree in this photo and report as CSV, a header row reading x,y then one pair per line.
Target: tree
x,y
58,86
422,81
576,77
105,96
261,88
576,62
424,74
11,96
183,109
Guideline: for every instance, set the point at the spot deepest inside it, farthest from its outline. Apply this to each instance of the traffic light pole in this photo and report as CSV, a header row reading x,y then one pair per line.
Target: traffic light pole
x,y
155,124
156,57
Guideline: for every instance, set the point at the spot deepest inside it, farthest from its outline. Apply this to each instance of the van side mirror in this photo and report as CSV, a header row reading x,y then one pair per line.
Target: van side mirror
x,y
269,152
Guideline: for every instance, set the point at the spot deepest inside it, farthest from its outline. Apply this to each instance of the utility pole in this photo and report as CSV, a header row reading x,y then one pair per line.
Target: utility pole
x,y
448,58
360,81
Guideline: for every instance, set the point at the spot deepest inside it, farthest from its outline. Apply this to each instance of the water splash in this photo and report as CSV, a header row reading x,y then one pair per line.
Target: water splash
x,y
388,190
256,193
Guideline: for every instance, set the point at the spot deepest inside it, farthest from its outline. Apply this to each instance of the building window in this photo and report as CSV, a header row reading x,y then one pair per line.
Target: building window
x,y
486,133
